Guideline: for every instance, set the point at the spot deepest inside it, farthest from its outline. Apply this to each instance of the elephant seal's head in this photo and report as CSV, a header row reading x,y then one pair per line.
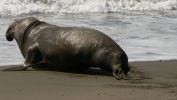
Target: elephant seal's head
x,y
17,29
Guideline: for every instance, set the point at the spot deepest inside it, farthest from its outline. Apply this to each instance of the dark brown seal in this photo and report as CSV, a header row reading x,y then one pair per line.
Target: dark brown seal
x,y
66,48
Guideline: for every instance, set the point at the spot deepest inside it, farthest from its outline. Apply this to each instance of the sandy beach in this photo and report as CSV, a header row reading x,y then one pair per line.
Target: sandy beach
x,y
95,84
144,29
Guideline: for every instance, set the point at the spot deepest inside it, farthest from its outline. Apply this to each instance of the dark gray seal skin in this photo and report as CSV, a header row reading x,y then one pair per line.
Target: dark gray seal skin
x,y
69,49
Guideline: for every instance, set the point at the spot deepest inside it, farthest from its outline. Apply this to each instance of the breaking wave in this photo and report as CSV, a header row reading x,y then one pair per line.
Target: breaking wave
x,y
18,7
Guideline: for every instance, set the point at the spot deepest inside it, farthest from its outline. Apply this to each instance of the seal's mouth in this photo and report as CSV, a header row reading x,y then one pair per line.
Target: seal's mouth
x,y
10,37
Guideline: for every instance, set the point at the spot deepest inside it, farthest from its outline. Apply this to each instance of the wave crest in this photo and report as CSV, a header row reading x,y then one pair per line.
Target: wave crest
x,y
18,7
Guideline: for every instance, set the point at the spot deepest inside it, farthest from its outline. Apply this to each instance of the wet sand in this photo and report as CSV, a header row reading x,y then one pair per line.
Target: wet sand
x,y
95,84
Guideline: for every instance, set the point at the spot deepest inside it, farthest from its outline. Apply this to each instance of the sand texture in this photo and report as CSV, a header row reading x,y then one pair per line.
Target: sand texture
x,y
95,84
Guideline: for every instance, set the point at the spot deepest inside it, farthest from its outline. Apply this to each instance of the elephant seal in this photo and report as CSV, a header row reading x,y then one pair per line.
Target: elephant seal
x,y
68,49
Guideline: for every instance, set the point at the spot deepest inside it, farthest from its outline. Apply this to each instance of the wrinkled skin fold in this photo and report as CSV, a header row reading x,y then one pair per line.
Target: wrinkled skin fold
x,y
70,49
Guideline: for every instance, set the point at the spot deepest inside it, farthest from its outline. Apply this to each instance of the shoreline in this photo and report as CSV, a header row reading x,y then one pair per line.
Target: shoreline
x,y
2,65
93,85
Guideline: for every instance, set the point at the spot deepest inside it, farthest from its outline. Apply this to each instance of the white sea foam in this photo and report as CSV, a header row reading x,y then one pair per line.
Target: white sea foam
x,y
18,7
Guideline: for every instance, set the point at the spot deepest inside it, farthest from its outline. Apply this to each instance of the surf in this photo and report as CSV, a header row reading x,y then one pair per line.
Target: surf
x,y
19,7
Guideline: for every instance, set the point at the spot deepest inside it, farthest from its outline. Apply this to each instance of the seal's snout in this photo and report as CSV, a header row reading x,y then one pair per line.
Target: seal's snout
x,y
10,36
10,32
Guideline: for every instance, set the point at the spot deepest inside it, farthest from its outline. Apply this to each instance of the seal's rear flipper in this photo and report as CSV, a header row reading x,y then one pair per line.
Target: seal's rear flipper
x,y
121,75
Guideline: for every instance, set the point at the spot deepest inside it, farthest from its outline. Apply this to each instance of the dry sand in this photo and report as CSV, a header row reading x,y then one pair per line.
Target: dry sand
x,y
95,84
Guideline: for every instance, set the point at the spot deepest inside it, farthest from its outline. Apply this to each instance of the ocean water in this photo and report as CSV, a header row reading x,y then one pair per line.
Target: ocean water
x,y
145,29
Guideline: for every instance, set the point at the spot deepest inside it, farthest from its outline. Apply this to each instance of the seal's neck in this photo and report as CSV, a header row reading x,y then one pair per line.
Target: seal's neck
x,y
27,32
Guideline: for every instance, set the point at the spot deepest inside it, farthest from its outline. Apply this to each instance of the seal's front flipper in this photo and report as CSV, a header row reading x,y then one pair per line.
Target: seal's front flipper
x,y
21,68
